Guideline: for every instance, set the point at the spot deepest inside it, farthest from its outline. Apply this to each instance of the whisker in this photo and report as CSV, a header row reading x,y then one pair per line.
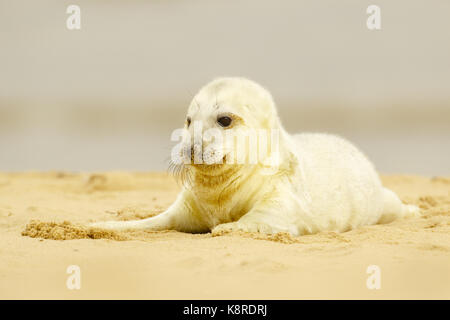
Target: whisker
x,y
181,172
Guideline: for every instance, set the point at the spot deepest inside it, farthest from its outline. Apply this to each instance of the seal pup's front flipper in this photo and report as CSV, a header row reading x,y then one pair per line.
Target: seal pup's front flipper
x,y
179,216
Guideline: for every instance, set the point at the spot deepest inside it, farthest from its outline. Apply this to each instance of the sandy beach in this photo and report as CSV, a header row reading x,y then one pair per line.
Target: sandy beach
x,y
42,218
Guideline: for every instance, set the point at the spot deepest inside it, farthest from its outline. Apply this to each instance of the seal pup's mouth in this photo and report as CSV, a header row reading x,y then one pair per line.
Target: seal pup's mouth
x,y
216,169
212,165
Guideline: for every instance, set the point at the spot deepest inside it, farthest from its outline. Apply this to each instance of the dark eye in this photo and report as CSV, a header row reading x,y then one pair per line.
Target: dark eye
x,y
224,121
188,121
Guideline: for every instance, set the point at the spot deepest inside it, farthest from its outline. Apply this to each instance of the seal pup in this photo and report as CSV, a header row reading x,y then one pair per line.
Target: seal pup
x,y
321,182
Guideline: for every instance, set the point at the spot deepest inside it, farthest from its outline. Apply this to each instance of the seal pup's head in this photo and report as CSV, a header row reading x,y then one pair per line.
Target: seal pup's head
x,y
250,104
222,112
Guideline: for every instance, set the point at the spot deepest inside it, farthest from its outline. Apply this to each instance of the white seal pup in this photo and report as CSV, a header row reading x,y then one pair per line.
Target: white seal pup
x,y
321,182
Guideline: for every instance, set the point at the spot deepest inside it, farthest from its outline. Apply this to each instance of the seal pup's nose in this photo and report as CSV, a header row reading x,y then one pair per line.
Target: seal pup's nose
x,y
196,154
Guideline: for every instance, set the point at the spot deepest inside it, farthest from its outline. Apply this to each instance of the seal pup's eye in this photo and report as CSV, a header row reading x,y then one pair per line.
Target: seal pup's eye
x,y
188,121
224,121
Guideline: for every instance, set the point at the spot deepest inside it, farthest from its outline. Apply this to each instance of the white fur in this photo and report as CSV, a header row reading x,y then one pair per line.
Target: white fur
x,y
323,182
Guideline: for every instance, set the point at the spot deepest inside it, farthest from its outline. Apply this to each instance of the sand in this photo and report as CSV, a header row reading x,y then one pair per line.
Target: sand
x,y
43,219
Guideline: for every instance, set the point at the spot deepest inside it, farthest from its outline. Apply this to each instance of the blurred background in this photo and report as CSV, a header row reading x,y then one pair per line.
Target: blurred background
x,y
108,96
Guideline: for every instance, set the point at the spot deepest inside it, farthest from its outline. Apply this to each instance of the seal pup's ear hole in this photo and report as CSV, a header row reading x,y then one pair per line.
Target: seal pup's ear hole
x,y
188,121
